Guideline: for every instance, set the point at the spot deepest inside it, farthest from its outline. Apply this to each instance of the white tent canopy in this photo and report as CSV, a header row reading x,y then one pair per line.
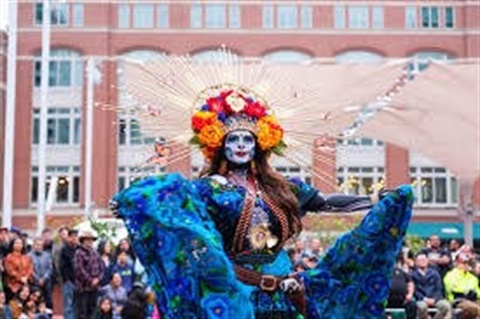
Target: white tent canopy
x,y
438,115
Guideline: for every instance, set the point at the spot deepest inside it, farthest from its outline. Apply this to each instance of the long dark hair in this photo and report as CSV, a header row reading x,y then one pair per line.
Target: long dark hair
x,y
268,180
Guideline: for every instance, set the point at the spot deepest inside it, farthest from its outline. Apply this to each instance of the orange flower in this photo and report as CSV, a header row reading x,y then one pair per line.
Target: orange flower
x,y
270,133
211,135
203,118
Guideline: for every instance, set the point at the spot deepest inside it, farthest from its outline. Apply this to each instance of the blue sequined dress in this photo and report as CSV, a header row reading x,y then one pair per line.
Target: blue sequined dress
x,y
181,231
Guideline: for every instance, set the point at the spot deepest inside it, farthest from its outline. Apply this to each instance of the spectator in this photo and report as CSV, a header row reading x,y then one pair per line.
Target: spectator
x,y
137,303
116,294
453,247
67,274
89,271
124,245
105,252
4,242
57,248
5,311
42,270
402,289
124,267
462,289
299,247
104,310
47,237
438,257
42,311
17,302
18,268
428,290
316,248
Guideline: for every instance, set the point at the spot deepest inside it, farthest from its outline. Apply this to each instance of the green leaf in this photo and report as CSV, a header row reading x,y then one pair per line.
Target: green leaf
x,y
194,140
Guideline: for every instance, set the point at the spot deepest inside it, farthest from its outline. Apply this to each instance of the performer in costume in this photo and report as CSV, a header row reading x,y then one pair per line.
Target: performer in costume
x,y
214,245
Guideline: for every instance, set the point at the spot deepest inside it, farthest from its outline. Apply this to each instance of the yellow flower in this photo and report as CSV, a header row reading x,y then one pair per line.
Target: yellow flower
x,y
211,135
270,133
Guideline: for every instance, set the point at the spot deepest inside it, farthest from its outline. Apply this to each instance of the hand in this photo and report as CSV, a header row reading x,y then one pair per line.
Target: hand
x,y
24,280
113,206
95,282
290,285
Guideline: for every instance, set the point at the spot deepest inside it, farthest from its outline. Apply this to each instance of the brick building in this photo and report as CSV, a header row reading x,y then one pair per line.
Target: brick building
x,y
274,30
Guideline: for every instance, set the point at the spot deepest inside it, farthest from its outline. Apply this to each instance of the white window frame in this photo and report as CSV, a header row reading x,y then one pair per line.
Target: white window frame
x,y
143,16
358,17
78,14
430,17
215,16
58,57
124,15
378,17
287,16
411,17
268,16
349,179
163,16
306,16
419,177
54,7
63,172
54,114
444,11
340,16
234,15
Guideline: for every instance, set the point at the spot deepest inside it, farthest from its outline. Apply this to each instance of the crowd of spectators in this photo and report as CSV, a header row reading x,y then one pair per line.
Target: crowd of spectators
x,y
97,279
101,281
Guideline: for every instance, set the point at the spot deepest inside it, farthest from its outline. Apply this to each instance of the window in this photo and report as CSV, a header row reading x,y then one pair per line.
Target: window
x,y
434,186
129,175
215,55
215,16
449,17
359,180
58,13
66,69
356,56
358,17
129,133
377,17
430,17
411,17
339,16
124,16
196,16
234,16
287,56
63,126
68,183
421,60
287,16
162,16
143,16
77,15
306,17
268,16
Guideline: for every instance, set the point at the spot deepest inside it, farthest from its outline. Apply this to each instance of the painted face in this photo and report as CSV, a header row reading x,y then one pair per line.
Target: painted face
x,y
240,147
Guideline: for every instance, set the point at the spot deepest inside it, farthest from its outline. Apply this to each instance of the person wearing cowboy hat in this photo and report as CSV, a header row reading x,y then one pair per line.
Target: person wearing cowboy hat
x,y
89,271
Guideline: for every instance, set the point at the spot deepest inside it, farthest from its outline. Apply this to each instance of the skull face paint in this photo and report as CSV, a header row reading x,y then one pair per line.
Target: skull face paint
x,y
240,147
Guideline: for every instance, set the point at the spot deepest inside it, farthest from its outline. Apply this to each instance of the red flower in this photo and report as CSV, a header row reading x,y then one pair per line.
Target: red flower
x,y
218,105
255,109
203,118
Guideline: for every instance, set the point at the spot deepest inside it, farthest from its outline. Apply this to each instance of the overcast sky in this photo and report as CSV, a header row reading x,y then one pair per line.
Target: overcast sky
x,y
3,13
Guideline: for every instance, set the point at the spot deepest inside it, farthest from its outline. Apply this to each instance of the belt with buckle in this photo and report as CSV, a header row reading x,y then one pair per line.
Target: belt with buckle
x,y
251,277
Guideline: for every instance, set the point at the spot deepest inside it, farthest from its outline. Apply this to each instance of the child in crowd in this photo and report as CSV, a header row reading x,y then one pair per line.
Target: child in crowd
x,y
126,270
18,301
5,311
105,309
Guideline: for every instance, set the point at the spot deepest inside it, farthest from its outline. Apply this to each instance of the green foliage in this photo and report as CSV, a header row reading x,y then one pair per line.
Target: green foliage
x,y
104,231
415,242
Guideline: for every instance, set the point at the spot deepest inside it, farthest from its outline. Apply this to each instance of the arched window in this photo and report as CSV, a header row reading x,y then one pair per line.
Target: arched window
x,y
420,60
288,56
215,56
358,56
65,66
129,132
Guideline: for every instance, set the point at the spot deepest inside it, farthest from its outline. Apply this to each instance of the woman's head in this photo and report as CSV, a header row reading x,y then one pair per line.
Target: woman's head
x,y
104,248
116,279
24,292
105,305
239,147
17,245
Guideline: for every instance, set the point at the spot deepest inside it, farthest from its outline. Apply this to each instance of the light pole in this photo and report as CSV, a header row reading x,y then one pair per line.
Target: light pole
x,y
43,115
10,116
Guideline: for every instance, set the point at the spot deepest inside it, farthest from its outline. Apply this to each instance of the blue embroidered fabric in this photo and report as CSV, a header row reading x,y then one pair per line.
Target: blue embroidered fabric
x,y
181,231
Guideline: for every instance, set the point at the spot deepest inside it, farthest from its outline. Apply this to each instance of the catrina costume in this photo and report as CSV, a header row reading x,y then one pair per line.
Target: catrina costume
x,y
214,247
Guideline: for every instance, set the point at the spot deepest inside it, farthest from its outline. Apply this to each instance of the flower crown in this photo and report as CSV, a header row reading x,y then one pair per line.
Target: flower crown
x,y
227,108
